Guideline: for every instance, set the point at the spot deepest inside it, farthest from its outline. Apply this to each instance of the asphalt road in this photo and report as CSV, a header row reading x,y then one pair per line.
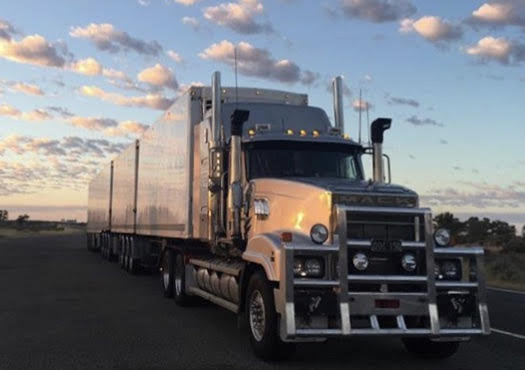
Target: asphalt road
x,y
62,307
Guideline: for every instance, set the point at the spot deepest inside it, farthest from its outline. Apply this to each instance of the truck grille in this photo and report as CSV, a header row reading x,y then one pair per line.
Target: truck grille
x,y
385,227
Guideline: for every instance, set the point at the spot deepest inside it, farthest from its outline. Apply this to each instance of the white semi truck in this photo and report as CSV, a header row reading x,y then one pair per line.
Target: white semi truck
x,y
253,200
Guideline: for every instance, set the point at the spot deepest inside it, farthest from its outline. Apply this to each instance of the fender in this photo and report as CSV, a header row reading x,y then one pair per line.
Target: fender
x,y
265,250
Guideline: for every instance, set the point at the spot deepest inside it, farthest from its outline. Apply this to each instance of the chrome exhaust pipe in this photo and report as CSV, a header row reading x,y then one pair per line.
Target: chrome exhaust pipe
x,y
337,86
379,126
235,193
216,108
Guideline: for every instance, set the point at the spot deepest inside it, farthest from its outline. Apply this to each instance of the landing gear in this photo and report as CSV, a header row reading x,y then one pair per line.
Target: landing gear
x,y
424,347
262,321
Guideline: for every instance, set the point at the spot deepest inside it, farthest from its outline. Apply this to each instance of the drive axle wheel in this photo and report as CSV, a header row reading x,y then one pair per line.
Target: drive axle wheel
x,y
424,347
262,321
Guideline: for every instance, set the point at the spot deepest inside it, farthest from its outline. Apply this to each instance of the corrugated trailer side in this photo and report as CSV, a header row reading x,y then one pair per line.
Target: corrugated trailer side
x,y
165,172
124,192
99,201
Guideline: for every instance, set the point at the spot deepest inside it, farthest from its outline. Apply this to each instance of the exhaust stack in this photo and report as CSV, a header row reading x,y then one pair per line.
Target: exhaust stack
x,y
379,126
235,195
337,85
216,108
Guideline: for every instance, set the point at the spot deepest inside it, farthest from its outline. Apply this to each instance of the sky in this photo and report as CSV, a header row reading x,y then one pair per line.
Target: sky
x,y
79,80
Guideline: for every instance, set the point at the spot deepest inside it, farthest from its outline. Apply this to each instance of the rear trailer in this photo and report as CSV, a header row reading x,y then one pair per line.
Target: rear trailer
x,y
303,250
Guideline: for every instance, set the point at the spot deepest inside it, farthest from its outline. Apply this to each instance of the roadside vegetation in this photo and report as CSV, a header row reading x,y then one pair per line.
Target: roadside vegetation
x,y
504,249
22,227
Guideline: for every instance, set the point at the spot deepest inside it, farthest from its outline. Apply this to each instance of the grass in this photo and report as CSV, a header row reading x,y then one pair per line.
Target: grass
x,y
506,270
9,232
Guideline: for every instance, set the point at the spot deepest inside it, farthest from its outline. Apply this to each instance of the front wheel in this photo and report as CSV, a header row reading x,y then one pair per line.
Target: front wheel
x,y
424,347
262,321
179,282
166,274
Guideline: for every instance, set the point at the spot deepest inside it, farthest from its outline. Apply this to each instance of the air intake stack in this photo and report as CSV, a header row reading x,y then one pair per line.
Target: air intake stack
x,y
379,126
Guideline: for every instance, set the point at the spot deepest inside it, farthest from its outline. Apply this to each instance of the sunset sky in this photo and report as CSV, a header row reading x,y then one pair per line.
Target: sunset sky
x,y
80,79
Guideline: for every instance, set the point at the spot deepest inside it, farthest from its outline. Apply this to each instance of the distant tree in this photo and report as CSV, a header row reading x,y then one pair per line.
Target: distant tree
x,y
523,231
21,220
477,230
501,232
4,215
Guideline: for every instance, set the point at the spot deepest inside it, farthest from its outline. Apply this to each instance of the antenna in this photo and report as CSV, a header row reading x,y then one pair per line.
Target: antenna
x,y
360,108
236,86
368,124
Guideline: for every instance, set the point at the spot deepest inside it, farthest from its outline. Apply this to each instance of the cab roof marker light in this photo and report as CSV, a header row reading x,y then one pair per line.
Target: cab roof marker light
x,y
315,133
302,132
289,132
251,132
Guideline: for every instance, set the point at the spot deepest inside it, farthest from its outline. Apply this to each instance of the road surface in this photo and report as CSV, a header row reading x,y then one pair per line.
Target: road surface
x,y
62,307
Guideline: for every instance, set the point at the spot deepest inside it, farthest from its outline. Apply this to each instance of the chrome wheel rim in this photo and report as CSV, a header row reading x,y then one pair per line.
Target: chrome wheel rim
x,y
165,274
257,315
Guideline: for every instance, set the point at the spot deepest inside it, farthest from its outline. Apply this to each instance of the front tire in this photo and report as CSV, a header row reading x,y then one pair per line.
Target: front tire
x,y
262,321
425,348
166,274
179,282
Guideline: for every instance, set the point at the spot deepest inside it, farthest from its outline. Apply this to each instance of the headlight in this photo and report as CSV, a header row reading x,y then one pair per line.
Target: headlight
x,y
408,262
308,267
451,270
319,233
448,270
442,237
360,261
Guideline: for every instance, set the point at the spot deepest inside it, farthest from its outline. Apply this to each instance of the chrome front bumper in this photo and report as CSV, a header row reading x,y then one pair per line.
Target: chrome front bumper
x,y
363,304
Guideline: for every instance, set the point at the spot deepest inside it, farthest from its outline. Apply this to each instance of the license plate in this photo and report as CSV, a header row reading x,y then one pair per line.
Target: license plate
x,y
386,246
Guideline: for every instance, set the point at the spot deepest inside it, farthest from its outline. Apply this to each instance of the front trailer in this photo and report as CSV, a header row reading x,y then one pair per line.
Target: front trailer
x,y
350,302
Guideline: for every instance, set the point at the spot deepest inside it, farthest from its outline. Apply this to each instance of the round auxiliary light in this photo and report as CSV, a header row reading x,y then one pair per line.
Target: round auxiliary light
x,y
319,233
442,237
360,261
408,262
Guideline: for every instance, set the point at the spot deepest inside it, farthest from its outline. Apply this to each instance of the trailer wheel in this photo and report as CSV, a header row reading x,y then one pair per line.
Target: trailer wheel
x,y
166,274
179,282
262,321
425,348
121,254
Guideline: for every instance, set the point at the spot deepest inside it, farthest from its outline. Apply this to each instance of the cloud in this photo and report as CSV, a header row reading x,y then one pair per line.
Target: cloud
x,y
238,16
153,101
187,2
144,2
252,61
126,128
498,49
377,11
500,13
417,121
158,76
15,113
477,196
7,30
361,105
33,49
174,56
108,126
433,29
63,112
23,87
107,38
404,101
88,66
192,22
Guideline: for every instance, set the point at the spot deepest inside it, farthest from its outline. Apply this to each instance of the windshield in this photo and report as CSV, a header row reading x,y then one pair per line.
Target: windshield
x,y
289,159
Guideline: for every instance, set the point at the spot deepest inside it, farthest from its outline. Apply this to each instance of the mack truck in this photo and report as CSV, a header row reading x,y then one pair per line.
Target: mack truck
x,y
252,200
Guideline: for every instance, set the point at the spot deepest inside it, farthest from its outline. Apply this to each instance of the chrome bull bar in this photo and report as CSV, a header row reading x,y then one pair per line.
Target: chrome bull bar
x,y
422,303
